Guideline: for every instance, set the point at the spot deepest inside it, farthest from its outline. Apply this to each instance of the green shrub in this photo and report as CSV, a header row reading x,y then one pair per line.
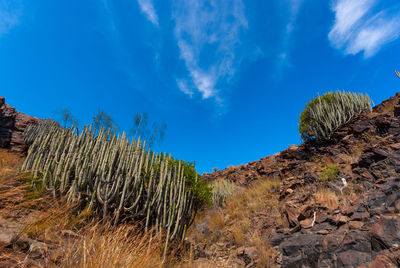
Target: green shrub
x,y
117,178
325,114
221,191
330,173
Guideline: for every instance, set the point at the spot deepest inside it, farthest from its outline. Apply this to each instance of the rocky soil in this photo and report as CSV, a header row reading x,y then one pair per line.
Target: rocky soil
x,y
357,222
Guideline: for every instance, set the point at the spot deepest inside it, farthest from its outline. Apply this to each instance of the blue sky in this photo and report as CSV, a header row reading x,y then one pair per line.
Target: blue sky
x,y
230,78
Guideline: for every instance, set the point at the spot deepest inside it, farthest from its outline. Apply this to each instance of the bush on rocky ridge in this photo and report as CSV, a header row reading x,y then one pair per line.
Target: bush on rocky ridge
x,y
325,114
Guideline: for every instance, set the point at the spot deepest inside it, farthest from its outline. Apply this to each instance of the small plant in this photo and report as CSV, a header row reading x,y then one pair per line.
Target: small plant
x,y
325,114
221,191
330,173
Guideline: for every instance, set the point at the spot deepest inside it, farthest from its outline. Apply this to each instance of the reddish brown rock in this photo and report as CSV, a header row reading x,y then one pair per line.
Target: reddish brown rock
x,y
382,261
386,232
307,223
12,126
356,225
352,258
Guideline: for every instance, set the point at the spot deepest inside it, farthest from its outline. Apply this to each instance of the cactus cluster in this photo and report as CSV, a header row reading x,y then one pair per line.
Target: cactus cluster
x,y
221,191
325,114
116,178
32,131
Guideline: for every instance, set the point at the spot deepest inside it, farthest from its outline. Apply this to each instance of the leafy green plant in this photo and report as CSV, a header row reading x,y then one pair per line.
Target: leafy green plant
x,y
221,191
325,114
330,173
118,179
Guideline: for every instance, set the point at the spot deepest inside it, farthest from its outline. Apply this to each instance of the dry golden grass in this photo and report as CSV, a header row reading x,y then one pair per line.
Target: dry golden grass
x,y
252,200
266,252
9,163
125,246
234,223
327,198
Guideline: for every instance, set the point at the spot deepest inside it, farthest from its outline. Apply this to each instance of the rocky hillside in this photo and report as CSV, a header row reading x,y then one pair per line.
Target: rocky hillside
x,y
339,202
335,204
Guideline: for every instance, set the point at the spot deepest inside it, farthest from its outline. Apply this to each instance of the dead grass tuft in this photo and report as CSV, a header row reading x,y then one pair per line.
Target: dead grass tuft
x,y
103,247
327,198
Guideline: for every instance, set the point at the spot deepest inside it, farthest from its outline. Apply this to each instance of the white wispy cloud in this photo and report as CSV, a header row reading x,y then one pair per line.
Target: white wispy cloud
x,y
207,34
283,59
360,28
147,7
9,16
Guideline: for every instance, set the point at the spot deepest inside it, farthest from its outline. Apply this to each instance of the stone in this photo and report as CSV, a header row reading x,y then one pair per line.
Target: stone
x,y
386,232
355,225
247,254
38,250
352,258
307,223
301,249
6,237
382,261
360,127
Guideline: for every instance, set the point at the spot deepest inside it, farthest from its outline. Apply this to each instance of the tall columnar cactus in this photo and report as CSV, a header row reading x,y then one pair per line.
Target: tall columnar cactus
x,y
116,178
34,130
325,114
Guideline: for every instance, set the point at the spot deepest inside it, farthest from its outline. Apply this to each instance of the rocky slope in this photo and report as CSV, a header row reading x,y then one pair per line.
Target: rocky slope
x,y
350,220
12,126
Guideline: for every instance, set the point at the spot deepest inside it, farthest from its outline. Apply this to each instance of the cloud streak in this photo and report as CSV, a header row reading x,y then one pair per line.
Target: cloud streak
x,y
147,8
9,17
207,35
359,28
283,59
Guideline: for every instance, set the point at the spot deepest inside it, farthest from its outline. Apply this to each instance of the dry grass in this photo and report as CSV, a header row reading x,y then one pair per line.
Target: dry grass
x,y
125,246
266,252
9,163
327,198
253,200
234,224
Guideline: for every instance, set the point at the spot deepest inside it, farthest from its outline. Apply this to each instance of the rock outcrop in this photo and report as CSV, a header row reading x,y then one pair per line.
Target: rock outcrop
x,y
12,126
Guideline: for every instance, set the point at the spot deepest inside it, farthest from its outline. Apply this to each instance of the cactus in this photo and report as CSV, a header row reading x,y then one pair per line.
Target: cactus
x,y
221,191
327,113
116,178
34,130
